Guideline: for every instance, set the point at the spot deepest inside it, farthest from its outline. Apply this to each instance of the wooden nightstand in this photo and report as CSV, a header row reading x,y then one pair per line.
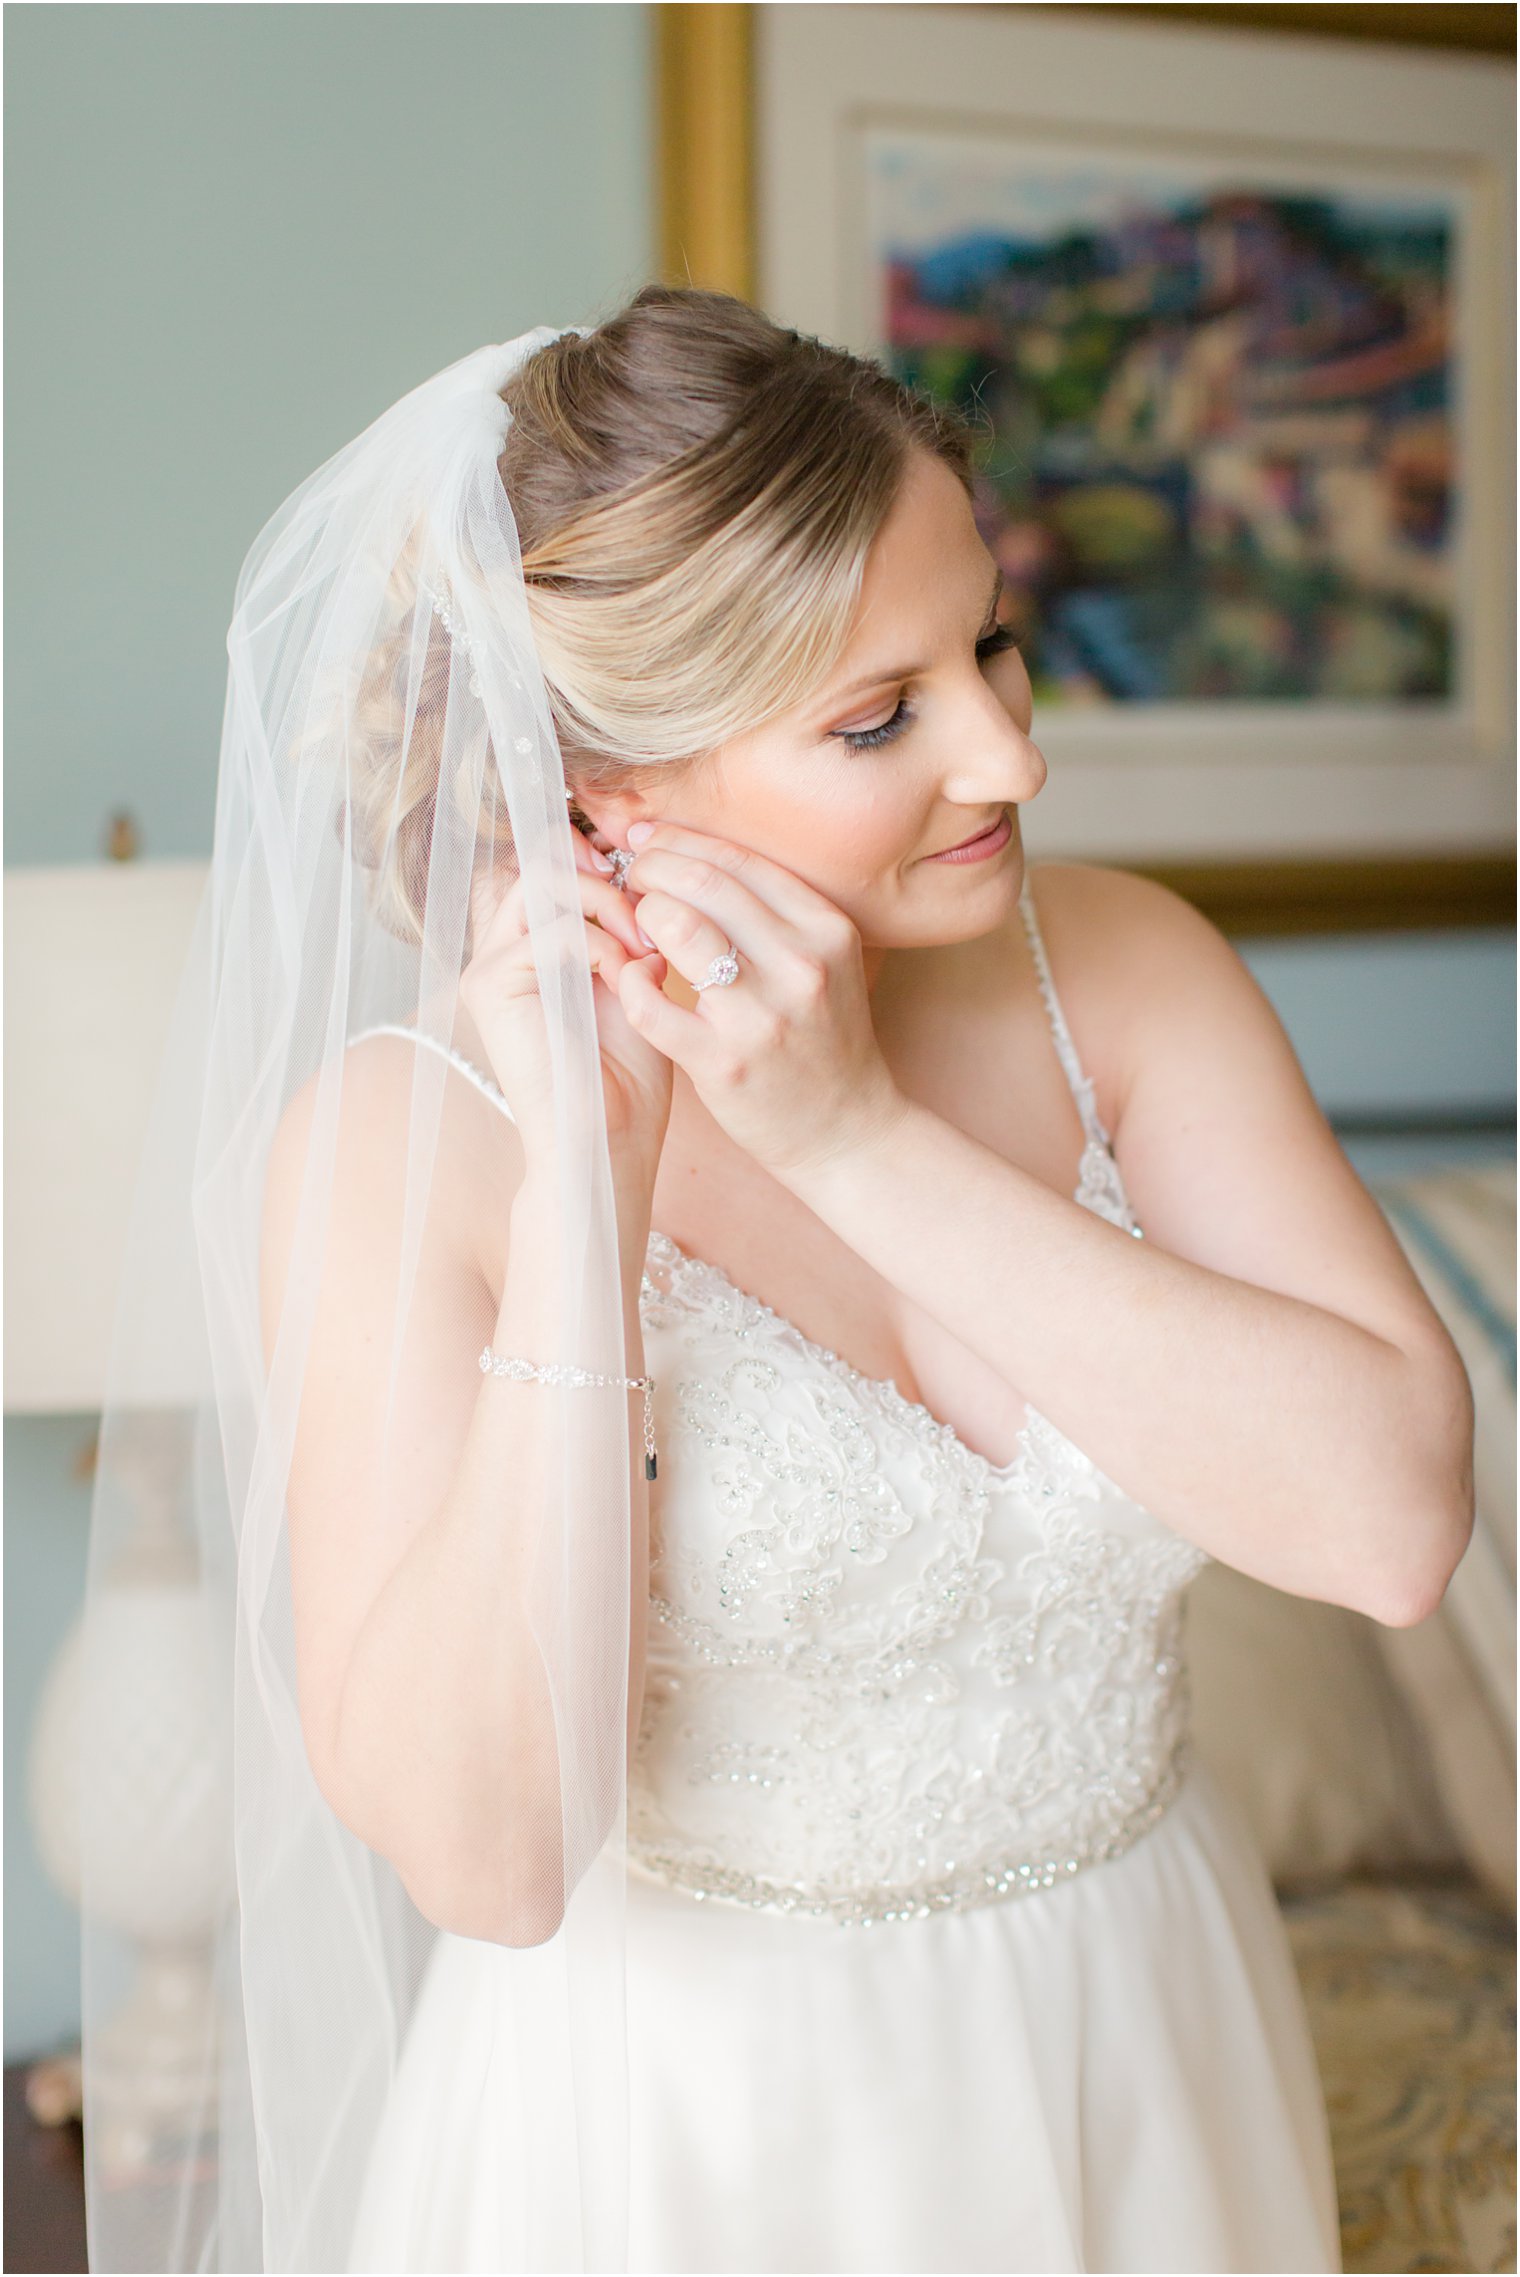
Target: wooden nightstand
x,y
44,2187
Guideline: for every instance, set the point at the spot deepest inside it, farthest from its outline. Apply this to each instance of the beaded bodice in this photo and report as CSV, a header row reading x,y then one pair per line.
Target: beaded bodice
x,y
884,1675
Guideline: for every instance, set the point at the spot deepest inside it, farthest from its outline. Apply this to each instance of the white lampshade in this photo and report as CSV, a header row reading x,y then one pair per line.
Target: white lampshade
x,y
93,959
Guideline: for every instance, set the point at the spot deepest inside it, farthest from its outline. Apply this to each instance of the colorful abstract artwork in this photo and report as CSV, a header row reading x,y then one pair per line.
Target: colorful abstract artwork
x,y
1217,444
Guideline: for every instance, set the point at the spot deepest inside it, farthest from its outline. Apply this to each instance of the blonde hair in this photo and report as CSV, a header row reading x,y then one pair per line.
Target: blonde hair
x,y
695,490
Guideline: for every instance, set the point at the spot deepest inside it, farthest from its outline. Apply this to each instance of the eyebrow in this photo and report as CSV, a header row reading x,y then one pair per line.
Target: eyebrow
x,y
909,671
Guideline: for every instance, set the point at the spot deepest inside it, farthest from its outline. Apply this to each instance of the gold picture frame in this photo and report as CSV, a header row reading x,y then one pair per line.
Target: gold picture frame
x,y
705,140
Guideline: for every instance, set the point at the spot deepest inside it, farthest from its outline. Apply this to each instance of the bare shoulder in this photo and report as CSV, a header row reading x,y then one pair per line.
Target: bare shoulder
x,y
1099,889
359,1112
363,1125
1225,1152
354,1123
1122,949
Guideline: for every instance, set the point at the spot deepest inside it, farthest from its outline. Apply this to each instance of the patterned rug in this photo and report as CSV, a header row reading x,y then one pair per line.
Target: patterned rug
x,y
1411,1999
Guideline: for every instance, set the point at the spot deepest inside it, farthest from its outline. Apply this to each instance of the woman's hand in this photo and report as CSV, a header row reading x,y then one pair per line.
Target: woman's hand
x,y
786,1059
499,987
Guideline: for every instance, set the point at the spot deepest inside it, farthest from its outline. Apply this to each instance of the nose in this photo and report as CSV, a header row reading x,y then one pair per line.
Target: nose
x,y
994,760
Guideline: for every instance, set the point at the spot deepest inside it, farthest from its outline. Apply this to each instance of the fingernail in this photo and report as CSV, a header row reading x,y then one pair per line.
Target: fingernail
x,y
639,831
601,860
644,937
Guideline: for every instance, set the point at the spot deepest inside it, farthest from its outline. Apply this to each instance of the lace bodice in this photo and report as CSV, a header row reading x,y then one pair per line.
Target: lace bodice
x,y
884,1675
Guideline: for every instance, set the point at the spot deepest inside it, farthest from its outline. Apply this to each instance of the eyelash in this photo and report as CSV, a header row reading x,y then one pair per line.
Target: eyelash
x,y
995,643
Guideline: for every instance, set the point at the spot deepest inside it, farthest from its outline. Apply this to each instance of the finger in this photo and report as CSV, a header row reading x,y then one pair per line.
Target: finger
x,y
598,898
680,1035
507,869
609,958
615,912
589,856
687,938
723,913
612,910
673,848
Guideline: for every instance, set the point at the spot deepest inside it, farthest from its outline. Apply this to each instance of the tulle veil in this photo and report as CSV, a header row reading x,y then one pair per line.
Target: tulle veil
x,y
249,1962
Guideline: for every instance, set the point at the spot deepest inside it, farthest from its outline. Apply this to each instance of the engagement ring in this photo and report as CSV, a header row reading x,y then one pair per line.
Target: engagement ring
x,y
721,972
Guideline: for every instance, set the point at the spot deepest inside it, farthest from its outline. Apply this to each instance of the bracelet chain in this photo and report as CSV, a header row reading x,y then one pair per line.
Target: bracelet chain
x,y
556,1372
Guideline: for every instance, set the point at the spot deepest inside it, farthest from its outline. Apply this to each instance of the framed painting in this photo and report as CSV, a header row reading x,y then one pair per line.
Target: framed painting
x,y
1232,312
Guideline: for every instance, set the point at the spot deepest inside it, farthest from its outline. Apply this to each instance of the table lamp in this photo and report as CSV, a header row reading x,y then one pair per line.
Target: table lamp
x,y
93,958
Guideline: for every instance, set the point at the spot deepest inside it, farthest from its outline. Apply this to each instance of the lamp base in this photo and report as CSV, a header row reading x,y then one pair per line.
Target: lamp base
x,y
153,2069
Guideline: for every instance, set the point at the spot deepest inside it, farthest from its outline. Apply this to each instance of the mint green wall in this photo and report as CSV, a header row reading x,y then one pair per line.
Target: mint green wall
x,y
47,1524
234,234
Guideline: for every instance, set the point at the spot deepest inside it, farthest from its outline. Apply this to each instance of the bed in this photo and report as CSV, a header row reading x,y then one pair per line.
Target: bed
x,y
1377,1767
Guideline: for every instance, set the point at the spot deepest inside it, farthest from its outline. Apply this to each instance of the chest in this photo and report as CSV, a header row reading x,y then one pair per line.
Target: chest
x,y
987,1066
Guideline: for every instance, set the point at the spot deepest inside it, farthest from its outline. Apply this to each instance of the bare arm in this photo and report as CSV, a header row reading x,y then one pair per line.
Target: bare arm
x,y
1263,1371
423,1698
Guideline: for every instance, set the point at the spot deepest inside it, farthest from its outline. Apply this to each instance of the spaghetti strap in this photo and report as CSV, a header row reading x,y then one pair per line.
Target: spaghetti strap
x,y
483,1083
1066,1050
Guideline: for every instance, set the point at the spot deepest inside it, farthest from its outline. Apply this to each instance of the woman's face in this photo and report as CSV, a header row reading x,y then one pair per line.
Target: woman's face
x,y
917,742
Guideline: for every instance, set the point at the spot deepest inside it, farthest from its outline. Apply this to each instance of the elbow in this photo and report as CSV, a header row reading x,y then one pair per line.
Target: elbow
x,y
500,1920
492,1909
1419,1587
1439,1524
521,1895
1408,1610
1415,1595
517,1900
502,1902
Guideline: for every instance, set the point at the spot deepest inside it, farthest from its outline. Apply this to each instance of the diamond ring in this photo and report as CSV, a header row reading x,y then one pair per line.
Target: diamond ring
x,y
721,973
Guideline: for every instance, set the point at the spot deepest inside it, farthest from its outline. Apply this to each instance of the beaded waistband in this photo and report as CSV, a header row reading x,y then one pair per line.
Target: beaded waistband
x,y
986,1884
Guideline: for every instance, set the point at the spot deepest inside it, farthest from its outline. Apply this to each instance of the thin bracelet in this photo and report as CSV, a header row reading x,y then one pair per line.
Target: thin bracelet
x,y
524,1372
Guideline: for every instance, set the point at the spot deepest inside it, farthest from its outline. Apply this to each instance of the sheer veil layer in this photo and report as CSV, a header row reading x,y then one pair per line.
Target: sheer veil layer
x,y
387,743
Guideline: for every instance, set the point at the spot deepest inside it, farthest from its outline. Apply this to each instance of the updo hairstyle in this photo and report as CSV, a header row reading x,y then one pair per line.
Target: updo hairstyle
x,y
695,490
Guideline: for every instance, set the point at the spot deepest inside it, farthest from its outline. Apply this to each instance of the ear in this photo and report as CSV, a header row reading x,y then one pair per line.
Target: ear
x,y
604,815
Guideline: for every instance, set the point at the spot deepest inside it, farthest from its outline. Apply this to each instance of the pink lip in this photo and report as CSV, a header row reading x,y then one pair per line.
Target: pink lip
x,y
978,849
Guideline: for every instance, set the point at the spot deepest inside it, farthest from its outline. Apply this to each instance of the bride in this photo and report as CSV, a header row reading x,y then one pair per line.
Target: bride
x,y
983,1267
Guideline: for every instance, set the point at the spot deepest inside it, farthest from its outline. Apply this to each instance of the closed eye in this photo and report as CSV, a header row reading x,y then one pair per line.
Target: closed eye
x,y
995,643
871,738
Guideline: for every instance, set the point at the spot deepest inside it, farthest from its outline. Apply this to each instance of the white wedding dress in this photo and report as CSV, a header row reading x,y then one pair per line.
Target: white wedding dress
x,y
944,1954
